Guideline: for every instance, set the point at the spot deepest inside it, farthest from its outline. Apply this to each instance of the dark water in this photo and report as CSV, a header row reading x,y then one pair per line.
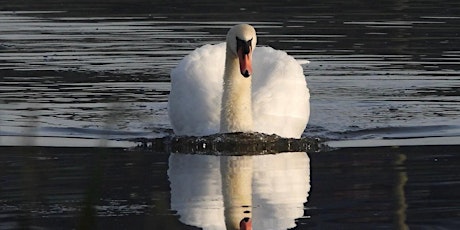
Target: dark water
x,y
353,188
75,73
69,68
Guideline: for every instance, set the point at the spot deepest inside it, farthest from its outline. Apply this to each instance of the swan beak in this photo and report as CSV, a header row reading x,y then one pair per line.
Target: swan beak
x,y
246,224
244,49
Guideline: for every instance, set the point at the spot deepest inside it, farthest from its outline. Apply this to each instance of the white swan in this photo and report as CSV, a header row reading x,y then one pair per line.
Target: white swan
x,y
233,87
218,192
236,176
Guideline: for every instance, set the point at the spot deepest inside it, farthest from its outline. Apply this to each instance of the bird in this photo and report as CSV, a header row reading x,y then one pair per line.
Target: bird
x,y
239,192
235,87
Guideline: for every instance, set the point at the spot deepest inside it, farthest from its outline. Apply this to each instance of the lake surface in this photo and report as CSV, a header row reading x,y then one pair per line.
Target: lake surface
x,y
79,81
352,188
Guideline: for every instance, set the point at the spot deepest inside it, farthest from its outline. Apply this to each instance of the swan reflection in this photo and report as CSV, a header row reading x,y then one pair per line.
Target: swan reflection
x,y
218,192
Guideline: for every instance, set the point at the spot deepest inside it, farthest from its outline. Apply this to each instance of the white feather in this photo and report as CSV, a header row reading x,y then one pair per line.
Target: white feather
x,y
280,97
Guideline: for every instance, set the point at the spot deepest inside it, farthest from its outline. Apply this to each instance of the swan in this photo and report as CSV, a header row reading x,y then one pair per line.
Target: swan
x,y
234,87
236,178
239,192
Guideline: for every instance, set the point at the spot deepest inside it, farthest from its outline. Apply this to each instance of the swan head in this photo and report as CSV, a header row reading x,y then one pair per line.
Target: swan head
x,y
246,224
241,41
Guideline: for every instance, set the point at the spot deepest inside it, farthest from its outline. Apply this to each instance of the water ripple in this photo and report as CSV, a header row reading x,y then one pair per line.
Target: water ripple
x,y
61,71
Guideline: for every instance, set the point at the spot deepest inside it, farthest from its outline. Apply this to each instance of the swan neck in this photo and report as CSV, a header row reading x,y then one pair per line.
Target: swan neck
x,y
236,173
236,113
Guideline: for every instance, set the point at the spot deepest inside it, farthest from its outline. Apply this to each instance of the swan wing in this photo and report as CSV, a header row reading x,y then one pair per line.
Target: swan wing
x,y
280,97
196,191
196,91
281,183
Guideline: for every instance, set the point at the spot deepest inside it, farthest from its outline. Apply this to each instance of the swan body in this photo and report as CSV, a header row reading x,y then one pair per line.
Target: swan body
x,y
225,88
217,192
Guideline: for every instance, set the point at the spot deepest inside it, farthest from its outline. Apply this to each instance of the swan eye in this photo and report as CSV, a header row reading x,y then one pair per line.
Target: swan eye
x,y
244,45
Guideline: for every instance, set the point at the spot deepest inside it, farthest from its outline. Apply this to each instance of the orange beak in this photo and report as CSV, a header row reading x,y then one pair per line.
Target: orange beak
x,y
244,56
246,224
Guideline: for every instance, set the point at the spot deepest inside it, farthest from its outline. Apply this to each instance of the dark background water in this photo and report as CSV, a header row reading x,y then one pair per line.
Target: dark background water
x,y
354,188
383,71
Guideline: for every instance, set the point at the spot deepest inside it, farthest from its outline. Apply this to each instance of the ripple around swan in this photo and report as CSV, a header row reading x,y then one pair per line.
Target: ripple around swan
x,y
74,71
234,144
82,83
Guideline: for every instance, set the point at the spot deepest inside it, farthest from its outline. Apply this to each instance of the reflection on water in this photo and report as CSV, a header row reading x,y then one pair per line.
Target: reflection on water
x,y
212,192
110,188
91,69
81,69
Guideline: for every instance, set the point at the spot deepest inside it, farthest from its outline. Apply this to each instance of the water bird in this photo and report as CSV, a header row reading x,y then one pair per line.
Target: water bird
x,y
234,87
238,192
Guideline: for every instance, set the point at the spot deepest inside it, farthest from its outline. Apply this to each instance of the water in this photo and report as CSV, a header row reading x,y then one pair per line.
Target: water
x,y
353,188
74,73
97,74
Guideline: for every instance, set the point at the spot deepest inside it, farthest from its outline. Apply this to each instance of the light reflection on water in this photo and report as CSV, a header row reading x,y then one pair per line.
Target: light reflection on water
x,y
365,188
212,192
377,70
73,72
